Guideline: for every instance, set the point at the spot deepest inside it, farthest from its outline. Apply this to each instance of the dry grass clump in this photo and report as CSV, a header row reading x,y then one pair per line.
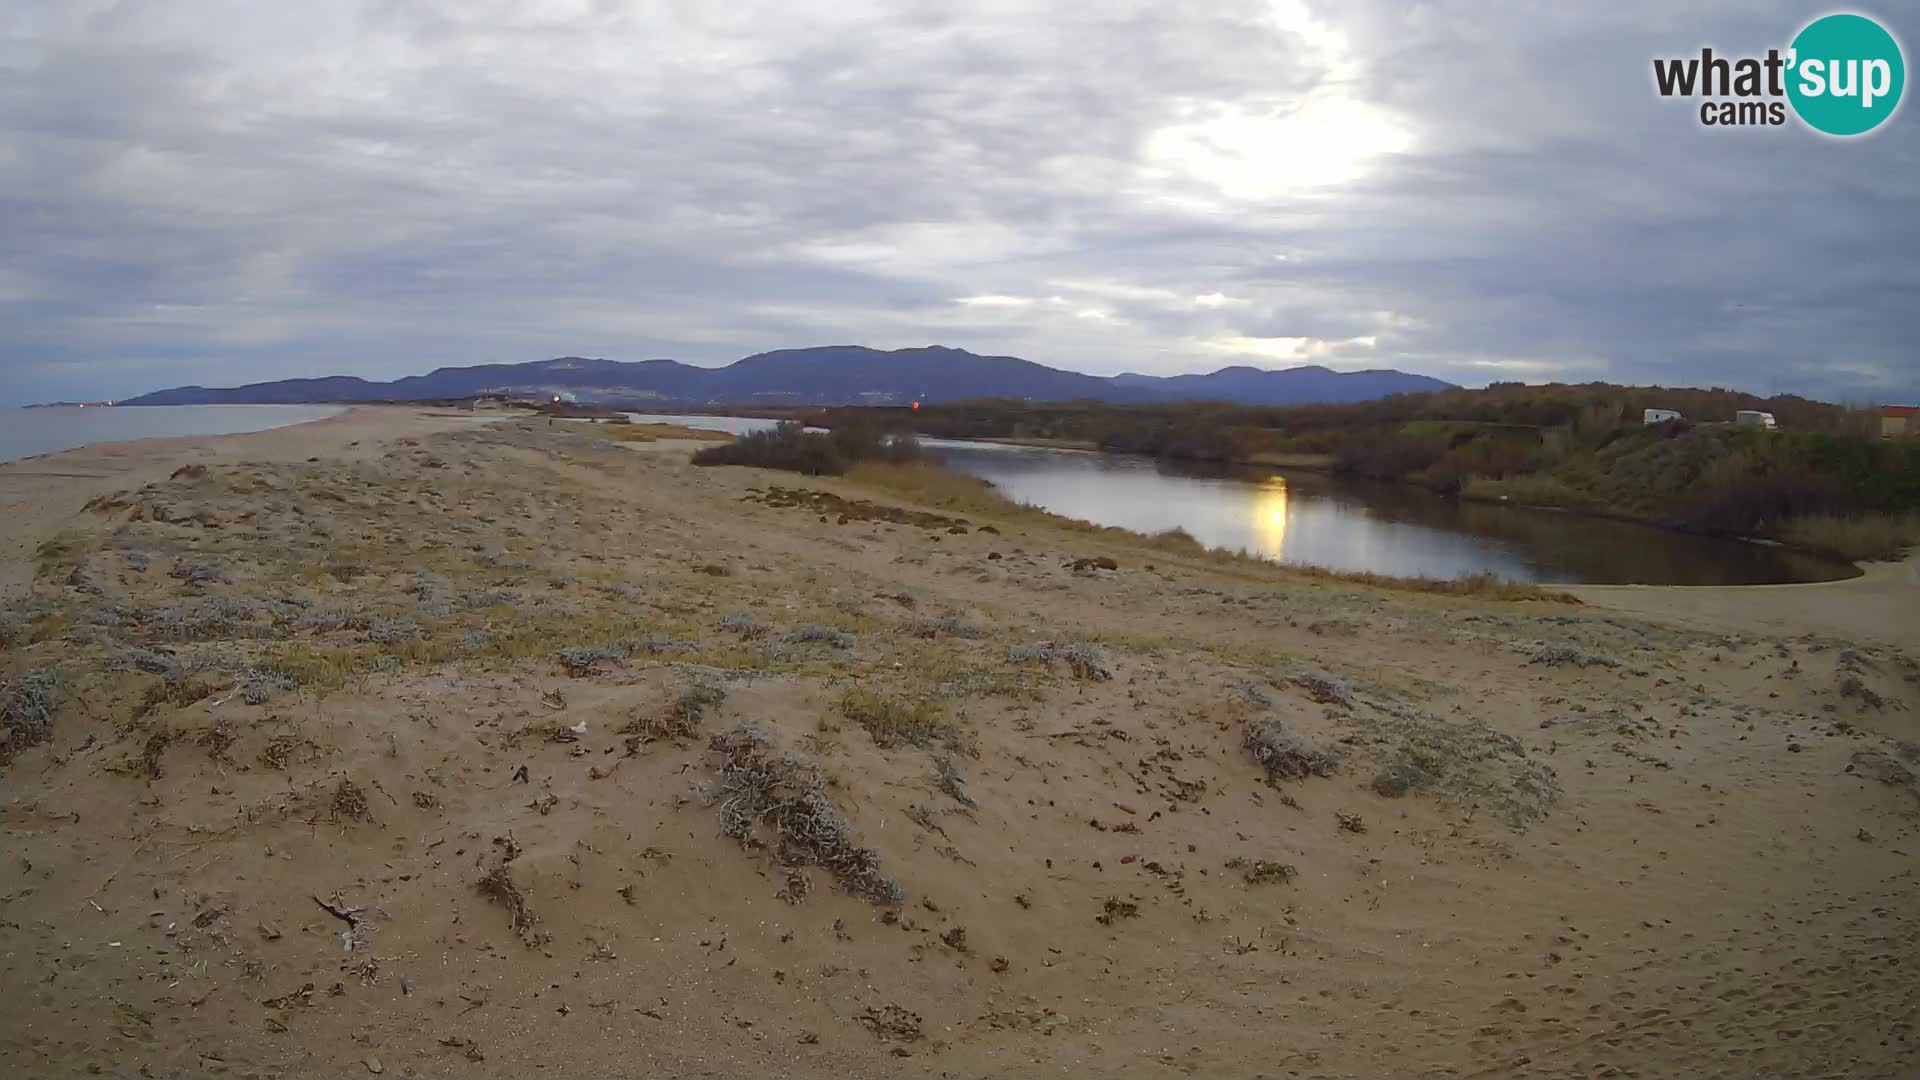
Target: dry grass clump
x,y
1859,538
26,712
301,664
944,626
743,624
15,629
891,1023
583,660
327,620
1478,586
216,739
1262,871
152,751
893,721
1116,909
663,646
63,552
176,691
1084,660
279,751
199,571
390,631
209,619
1285,755
1324,688
498,885
691,706
260,685
1465,762
761,791
349,802
1556,653
1852,686
808,633
679,721
947,776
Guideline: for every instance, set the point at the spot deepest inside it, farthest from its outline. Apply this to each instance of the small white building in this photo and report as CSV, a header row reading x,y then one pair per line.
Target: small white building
x,y
1658,416
1754,418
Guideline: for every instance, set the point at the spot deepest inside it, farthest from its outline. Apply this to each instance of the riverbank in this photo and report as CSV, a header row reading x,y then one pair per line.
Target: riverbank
x,y
1882,604
486,750
1578,448
1830,546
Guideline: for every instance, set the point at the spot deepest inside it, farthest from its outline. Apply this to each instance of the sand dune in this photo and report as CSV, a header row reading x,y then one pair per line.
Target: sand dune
x,y
394,745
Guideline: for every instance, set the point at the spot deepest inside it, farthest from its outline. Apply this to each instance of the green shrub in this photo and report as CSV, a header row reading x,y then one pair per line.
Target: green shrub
x,y
792,448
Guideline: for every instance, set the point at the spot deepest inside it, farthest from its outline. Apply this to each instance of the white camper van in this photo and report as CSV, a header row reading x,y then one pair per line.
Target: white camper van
x,y
1754,418
1658,416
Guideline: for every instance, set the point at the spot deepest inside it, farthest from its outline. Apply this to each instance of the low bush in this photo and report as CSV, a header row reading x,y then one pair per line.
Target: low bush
x,y
1861,537
893,721
1285,755
26,712
792,448
779,801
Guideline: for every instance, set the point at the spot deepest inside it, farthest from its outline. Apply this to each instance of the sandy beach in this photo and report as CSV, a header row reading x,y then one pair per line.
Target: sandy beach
x,y
1882,604
397,744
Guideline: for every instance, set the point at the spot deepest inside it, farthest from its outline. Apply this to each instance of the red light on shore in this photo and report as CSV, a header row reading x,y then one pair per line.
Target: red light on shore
x,y
916,406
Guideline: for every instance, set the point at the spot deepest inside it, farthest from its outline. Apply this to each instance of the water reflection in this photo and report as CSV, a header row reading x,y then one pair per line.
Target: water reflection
x,y
1270,516
1313,519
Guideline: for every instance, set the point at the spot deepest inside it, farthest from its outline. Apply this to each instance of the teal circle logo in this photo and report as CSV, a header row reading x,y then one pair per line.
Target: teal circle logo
x,y
1845,74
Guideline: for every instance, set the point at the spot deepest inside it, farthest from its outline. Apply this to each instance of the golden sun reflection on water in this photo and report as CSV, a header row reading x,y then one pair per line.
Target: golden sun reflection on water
x,y
1270,516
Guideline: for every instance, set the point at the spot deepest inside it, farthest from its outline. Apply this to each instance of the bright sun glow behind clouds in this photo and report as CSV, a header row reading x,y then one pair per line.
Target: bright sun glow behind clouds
x,y
1253,153
1259,149
1286,349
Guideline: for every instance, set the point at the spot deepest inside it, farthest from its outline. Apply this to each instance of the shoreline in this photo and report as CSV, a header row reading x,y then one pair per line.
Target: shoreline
x,y
1323,465
1882,603
1857,568
339,410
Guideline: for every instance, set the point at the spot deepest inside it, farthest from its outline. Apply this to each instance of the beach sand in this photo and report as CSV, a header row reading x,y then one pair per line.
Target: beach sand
x,y
397,744
1882,604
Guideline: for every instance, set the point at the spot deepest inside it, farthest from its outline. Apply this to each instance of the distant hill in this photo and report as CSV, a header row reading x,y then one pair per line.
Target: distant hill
x,y
829,375
1288,386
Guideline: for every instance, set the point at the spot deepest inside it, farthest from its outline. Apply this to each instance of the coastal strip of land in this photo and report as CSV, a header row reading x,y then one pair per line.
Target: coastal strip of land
x,y
401,744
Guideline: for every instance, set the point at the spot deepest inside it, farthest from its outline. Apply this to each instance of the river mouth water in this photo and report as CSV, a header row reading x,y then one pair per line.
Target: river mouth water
x,y
1315,519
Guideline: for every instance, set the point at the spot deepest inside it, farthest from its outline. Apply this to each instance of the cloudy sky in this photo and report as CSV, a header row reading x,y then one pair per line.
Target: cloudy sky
x,y
219,191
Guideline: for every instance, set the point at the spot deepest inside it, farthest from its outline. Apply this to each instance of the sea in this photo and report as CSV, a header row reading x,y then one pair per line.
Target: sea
x,y
29,432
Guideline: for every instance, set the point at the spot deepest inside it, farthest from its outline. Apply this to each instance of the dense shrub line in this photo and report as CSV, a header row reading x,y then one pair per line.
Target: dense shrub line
x,y
816,453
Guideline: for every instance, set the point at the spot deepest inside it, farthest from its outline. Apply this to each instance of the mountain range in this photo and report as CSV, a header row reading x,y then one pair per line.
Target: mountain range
x,y
829,375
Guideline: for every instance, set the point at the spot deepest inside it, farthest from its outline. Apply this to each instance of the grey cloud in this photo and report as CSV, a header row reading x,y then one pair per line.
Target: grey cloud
x,y
208,191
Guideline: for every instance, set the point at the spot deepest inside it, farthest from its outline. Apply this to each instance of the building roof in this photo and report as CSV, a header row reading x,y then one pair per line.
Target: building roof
x,y
1899,410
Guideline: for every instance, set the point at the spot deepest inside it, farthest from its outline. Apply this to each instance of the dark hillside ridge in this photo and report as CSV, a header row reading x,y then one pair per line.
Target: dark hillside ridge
x,y
829,375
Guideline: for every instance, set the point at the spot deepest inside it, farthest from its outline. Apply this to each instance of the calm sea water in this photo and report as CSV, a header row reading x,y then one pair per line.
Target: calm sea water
x,y
26,432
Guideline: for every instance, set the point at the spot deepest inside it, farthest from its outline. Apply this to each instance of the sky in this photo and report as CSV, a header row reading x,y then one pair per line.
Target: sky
x,y
224,191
